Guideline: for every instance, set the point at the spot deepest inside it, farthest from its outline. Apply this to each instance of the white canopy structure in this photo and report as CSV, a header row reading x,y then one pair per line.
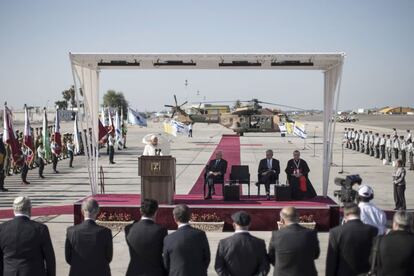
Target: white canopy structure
x,y
86,68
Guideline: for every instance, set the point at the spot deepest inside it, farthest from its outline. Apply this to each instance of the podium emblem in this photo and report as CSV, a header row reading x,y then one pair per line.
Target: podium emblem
x,y
155,166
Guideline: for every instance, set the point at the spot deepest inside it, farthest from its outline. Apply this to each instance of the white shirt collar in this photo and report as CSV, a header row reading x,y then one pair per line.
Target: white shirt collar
x,y
22,215
89,219
146,218
241,231
183,224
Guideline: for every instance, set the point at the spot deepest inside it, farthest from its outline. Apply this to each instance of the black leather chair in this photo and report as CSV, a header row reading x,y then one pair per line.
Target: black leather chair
x,y
240,175
217,180
258,183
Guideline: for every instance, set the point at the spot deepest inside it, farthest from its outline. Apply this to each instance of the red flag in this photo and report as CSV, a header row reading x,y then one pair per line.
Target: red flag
x,y
57,137
102,131
9,138
27,132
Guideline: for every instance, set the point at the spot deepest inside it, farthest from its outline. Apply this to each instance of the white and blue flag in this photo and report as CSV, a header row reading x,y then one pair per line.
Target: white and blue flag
x,y
299,130
135,118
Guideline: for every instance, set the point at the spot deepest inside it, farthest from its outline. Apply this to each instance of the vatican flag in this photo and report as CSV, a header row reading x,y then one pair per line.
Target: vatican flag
x,y
289,128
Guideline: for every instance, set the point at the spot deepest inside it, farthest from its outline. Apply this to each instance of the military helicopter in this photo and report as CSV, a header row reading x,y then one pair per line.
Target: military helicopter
x,y
249,117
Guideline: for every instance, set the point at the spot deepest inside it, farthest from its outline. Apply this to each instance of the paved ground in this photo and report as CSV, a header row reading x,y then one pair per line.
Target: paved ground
x,y
192,155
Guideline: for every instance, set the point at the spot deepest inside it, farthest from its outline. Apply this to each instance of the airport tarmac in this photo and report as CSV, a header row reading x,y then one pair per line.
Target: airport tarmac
x,y
192,154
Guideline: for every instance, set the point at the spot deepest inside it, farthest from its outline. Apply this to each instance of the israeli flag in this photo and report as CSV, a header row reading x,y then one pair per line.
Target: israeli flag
x,y
179,128
135,118
299,130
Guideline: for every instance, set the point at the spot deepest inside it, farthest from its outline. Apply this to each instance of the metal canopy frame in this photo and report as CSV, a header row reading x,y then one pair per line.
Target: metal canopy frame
x,y
86,68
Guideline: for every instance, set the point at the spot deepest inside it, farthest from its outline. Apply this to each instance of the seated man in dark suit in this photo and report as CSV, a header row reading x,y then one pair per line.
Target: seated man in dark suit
x,y
25,245
241,254
350,245
215,172
396,249
145,241
186,251
293,249
268,171
88,247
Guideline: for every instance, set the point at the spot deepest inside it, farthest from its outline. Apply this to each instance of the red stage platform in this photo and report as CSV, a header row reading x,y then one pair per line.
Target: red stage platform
x,y
264,213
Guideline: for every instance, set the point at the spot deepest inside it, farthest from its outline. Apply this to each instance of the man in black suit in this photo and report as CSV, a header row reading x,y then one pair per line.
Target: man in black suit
x,y
293,249
241,254
215,172
88,247
396,249
145,242
25,245
268,171
350,245
186,251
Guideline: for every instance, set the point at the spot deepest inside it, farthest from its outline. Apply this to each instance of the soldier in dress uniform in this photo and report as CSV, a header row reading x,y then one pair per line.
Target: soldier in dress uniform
x,y
408,138
366,142
388,148
358,143
371,143
27,155
382,147
361,141
403,151
353,138
350,138
410,151
377,145
346,137
396,147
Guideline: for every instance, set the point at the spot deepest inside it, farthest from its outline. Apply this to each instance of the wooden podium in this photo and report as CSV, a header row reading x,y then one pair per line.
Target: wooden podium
x,y
157,178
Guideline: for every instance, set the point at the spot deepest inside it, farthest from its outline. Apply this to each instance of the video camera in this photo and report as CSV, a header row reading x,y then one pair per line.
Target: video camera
x,y
347,194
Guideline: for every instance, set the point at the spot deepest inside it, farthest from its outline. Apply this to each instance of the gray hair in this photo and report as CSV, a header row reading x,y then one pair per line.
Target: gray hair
x,y
22,205
90,207
269,151
404,220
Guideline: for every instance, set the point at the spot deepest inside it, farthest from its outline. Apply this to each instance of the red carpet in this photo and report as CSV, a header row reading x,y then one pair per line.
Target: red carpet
x,y
230,146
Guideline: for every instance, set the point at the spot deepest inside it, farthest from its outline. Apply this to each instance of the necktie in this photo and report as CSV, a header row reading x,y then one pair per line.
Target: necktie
x,y
269,163
217,161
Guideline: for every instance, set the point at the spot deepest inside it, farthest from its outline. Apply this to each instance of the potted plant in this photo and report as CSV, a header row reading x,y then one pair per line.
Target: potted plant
x,y
115,221
207,222
306,221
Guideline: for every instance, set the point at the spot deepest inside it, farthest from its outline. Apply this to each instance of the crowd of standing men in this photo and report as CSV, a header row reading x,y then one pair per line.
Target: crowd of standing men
x,y
38,157
386,147
391,149
355,248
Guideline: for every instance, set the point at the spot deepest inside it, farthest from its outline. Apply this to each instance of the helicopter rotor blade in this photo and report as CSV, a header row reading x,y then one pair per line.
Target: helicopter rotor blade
x,y
172,115
183,103
175,99
283,105
168,105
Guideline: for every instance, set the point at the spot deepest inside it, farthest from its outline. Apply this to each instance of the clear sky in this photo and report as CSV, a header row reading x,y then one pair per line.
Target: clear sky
x,y
377,36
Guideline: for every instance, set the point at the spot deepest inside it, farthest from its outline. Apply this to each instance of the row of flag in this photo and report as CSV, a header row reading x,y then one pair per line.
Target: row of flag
x,y
10,138
115,120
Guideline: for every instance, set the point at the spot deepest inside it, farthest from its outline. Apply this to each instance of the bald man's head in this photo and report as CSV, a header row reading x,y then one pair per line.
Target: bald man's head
x,y
289,215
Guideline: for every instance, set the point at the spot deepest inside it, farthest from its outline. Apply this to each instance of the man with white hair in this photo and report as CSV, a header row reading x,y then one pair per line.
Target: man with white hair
x,y
25,245
88,247
371,214
152,148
